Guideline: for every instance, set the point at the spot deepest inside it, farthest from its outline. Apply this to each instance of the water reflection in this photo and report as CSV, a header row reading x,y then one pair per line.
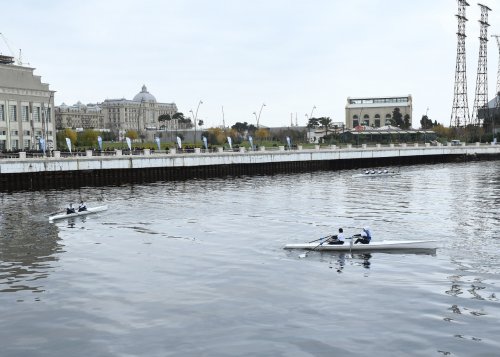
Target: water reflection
x,y
27,250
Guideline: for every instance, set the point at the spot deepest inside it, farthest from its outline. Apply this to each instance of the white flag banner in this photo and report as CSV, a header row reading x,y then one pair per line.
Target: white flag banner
x,y
158,143
99,142
205,142
129,143
230,142
250,139
179,143
288,142
68,143
42,144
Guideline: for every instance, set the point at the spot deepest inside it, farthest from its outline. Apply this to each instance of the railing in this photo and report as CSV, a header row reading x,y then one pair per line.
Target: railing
x,y
211,150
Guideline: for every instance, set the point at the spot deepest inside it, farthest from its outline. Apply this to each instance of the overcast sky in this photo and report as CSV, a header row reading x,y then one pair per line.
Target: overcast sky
x,y
291,55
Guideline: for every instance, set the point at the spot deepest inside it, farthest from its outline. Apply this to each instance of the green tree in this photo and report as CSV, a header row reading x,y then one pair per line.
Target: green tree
x,y
426,123
406,123
63,134
313,123
240,127
397,118
325,123
88,138
132,134
262,134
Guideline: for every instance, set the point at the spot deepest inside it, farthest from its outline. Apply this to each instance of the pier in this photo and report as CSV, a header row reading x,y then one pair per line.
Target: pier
x,y
22,173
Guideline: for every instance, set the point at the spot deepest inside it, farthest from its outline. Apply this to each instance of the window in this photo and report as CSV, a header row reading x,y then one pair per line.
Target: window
x,y
2,115
26,143
24,113
49,116
36,114
15,144
13,112
14,133
26,133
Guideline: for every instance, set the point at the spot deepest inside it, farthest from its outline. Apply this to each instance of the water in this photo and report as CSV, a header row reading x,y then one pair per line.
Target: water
x,y
197,268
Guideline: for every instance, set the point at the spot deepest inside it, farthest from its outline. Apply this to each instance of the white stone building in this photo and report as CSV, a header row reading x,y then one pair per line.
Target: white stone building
x,y
26,108
375,111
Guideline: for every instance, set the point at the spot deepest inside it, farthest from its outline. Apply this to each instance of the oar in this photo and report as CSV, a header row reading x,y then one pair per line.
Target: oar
x,y
319,239
54,213
303,255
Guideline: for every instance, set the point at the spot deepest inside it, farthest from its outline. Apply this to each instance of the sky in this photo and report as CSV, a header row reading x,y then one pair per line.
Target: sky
x,y
295,56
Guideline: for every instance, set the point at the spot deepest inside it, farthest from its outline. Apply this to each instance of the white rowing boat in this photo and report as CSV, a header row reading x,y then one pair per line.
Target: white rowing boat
x,y
373,246
377,174
76,214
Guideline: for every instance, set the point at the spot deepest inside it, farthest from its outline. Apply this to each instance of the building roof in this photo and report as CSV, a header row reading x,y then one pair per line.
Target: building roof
x,y
144,96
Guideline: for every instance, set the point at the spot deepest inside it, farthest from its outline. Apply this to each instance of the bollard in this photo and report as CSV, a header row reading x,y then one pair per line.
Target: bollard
x,y
262,148
478,144
427,145
22,155
349,146
57,154
242,149
220,149
363,146
281,148
379,146
316,147
333,147
147,152
416,145
172,151
197,150
299,147
88,153
391,145
118,152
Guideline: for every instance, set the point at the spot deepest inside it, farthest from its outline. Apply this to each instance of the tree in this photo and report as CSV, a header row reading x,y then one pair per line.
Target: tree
x,y
406,123
240,127
397,118
63,134
215,136
87,137
313,123
325,123
132,134
426,123
262,133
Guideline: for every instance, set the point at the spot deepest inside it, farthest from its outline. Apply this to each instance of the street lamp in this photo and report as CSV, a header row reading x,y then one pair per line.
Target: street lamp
x,y
260,112
312,110
195,117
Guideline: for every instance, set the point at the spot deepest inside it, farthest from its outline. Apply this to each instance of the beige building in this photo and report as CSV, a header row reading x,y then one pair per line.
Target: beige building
x,y
140,113
79,116
26,108
375,111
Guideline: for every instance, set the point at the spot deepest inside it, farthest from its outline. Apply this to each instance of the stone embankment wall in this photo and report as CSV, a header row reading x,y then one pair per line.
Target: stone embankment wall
x,y
56,172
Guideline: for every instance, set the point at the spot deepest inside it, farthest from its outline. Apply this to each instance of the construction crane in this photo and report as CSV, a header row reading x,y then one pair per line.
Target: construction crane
x,y
17,59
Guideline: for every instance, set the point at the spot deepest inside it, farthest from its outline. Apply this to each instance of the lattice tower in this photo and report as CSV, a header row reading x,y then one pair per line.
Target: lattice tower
x,y
497,94
460,110
481,98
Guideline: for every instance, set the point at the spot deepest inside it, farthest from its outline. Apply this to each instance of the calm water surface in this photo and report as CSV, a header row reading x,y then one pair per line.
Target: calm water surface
x,y
197,268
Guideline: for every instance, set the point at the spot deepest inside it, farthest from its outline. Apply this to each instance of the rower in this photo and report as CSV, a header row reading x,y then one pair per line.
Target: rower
x,y
365,237
337,239
82,207
70,209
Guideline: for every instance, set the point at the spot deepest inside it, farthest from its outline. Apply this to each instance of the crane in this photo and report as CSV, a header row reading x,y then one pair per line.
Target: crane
x,y
18,58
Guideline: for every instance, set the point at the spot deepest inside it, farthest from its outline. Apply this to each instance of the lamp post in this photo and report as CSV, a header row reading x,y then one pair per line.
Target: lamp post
x,y
195,117
260,112
312,110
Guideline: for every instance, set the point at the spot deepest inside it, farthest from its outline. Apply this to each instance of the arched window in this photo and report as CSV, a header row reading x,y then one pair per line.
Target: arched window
x,y
366,120
388,118
355,121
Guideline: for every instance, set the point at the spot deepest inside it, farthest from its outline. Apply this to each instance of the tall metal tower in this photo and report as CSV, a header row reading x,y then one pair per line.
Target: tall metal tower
x,y
481,98
497,94
460,110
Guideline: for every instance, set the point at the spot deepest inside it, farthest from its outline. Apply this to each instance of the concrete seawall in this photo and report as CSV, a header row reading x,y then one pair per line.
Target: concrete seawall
x,y
57,172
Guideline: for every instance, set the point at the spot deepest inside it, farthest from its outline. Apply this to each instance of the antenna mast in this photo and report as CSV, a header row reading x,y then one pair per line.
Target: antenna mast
x,y
460,110
481,98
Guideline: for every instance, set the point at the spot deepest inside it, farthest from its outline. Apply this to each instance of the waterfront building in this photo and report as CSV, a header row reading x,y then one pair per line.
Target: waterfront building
x,y
26,108
376,111
140,113
79,116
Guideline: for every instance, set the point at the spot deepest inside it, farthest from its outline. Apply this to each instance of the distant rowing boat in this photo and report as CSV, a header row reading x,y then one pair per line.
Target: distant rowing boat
x,y
76,214
373,246
378,173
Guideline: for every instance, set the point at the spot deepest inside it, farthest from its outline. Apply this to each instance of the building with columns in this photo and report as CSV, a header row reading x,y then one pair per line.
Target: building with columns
x,y
140,113
26,108
79,116
375,111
